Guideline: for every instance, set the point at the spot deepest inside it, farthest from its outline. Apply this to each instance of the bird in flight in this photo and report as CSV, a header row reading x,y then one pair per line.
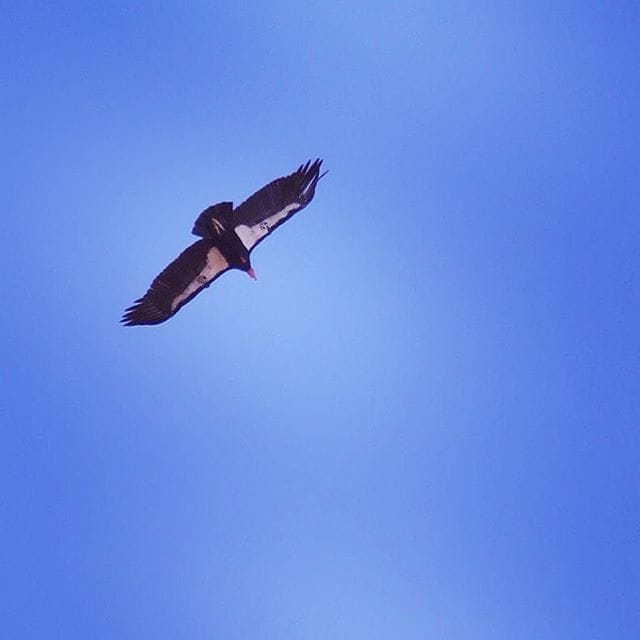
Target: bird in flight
x,y
227,237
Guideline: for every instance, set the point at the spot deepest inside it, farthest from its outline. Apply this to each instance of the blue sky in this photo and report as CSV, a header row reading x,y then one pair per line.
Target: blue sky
x,y
421,421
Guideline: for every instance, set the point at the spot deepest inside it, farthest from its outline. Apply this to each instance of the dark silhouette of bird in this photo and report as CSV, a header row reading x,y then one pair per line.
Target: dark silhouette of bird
x,y
227,237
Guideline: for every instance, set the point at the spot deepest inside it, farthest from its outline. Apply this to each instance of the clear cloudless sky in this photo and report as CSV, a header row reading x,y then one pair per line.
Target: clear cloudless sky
x,y
421,421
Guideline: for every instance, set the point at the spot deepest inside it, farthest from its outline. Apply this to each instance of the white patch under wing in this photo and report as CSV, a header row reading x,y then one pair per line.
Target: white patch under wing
x,y
250,236
215,264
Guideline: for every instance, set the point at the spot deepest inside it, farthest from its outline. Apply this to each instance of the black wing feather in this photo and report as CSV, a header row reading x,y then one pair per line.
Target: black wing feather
x,y
298,187
156,305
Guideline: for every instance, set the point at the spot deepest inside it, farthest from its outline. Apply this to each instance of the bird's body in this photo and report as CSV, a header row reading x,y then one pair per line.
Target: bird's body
x,y
227,237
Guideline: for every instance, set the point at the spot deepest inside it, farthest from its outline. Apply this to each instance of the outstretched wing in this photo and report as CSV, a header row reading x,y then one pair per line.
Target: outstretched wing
x,y
192,271
274,204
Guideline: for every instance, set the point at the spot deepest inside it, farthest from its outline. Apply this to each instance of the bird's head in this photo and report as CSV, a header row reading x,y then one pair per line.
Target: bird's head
x,y
245,265
238,257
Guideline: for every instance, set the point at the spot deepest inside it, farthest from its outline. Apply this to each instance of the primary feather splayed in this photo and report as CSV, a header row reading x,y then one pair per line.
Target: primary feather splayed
x,y
227,237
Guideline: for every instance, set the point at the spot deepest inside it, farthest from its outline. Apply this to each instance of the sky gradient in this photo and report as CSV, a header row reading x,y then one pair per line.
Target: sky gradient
x,y
421,421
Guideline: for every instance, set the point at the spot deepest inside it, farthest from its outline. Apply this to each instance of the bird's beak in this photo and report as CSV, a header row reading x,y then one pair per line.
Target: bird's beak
x,y
251,273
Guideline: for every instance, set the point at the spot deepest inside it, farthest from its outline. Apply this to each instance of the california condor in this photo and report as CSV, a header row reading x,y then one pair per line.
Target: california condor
x,y
227,237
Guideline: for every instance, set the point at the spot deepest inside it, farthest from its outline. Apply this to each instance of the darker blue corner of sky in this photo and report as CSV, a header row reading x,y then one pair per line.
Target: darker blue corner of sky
x,y
421,421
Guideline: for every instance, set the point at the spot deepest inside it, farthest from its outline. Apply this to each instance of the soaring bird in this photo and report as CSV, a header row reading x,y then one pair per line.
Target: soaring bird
x,y
227,237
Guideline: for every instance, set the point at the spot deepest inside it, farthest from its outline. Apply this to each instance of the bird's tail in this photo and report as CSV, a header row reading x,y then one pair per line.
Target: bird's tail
x,y
210,223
